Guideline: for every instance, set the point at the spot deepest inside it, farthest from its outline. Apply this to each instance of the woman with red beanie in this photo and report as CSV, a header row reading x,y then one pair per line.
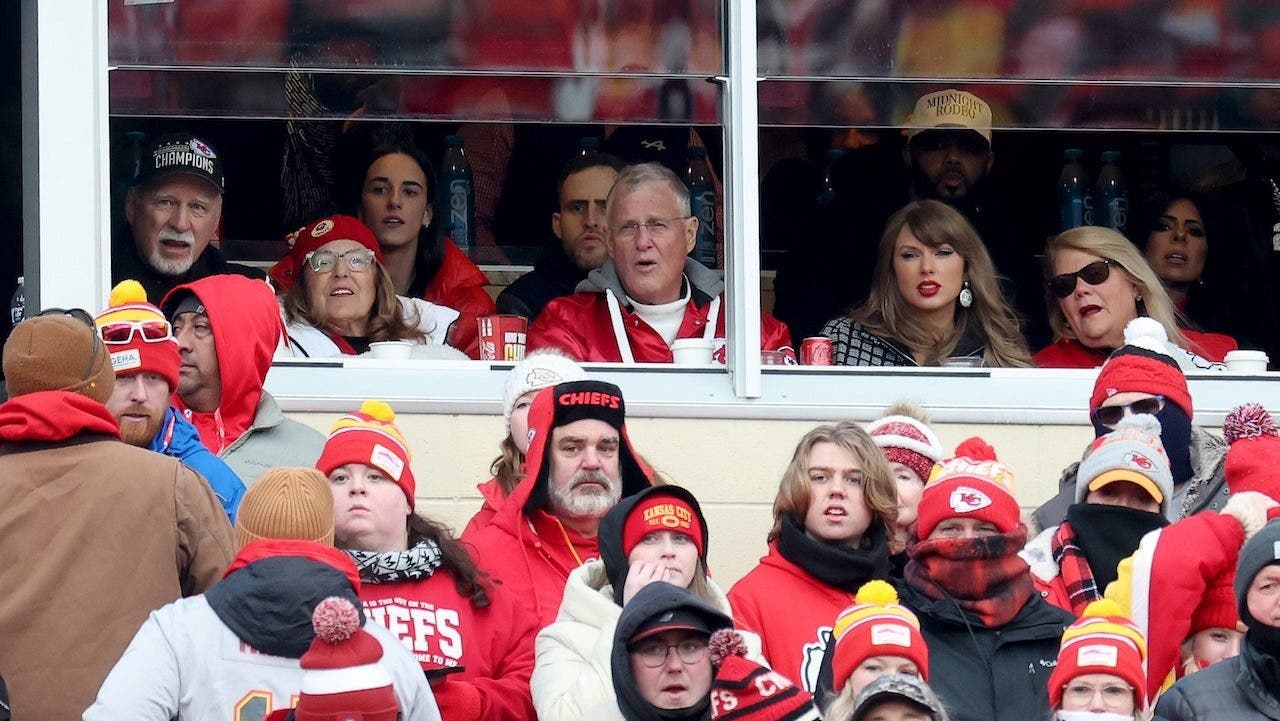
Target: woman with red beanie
x,y
1099,675
658,534
992,639
832,521
472,638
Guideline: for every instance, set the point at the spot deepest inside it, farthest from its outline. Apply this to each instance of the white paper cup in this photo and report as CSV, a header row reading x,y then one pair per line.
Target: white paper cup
x,y
391,349
1246,361
691,351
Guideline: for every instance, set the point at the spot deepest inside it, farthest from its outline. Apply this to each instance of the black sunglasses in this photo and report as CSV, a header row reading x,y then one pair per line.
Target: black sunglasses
x,y
1109,416
1094,273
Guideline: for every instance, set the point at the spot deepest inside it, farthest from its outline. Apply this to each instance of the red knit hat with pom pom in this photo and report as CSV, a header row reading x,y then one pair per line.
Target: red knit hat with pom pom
x,y
973,484
370,436
746,691
876,625
342,677
1253,461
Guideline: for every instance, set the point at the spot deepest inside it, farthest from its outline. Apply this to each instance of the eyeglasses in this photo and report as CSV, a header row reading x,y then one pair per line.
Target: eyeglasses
x,y
122,331
77,313
658,228
1094,273
323,261
654,654
1111,415
1113,695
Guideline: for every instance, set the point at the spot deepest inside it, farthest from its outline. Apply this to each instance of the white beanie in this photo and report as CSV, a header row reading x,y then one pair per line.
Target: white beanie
x,y
540,369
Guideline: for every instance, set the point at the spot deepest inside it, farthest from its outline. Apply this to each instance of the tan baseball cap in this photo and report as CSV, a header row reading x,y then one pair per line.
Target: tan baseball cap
x,y
950,109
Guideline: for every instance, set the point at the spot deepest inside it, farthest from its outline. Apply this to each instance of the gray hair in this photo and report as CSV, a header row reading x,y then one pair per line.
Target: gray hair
x,y
633,177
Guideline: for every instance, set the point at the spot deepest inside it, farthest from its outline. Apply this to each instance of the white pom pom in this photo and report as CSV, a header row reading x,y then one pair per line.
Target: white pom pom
x,y
1147,333
1144,422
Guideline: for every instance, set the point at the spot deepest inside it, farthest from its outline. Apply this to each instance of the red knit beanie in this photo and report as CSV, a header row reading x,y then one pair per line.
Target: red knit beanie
x,y
370,436
342,677
1103,640
1142,365
137,335
1217,607
746,691
660,511
876,625
908,441
973,484
1253,461
313,235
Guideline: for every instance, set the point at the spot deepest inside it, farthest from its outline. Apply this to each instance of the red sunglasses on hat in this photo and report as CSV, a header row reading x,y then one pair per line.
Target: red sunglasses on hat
x,y
121,332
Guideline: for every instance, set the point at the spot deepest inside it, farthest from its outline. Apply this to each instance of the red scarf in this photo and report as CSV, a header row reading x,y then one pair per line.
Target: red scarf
x,y
984,576
54,416
1074,569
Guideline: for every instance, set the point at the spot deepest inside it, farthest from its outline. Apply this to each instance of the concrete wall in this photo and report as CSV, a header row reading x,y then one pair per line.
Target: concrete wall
x,y
732,466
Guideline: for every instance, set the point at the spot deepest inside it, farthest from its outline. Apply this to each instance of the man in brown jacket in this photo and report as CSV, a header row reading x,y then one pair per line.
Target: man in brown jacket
x,y
94,533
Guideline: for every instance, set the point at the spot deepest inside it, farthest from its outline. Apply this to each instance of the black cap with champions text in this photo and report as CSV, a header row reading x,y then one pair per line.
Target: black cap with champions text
x,y
181,153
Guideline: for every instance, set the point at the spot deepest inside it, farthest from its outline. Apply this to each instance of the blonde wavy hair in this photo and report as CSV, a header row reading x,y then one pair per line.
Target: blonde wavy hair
x,y
1153,301
386,318
879,492
887,314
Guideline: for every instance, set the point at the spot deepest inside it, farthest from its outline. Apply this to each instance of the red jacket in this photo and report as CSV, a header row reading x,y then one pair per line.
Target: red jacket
x,y
492,646
491,498
529,549
792,612
247,327
459,284
1071,353
579,324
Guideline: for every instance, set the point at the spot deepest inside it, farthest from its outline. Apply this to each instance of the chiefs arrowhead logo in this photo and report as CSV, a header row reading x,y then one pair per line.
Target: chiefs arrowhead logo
x,y
202,149
968,500
1139,460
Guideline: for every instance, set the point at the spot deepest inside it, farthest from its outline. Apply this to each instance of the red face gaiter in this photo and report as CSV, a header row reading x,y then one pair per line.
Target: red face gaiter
x,y
983,576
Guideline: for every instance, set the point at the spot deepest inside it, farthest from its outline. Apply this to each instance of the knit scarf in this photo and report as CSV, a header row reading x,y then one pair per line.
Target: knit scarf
x,y
1107,535
1073,568
419,561
983,576
54,416
837,566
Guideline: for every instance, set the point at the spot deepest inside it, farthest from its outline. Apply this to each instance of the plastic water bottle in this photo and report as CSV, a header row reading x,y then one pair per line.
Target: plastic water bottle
x,y
827,191
457,196
702,205
18,304
1074,201
1112,194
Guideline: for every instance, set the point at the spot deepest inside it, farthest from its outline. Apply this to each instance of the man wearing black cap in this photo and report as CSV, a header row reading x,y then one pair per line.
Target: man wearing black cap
x,y
580,463
174,210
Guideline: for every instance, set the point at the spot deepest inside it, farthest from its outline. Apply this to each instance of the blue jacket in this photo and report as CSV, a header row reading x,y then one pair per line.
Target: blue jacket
x,y
179,439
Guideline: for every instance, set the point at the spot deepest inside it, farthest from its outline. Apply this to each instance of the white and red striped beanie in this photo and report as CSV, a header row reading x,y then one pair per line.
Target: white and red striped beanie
x,y
342,674
370,436
908,441
973,484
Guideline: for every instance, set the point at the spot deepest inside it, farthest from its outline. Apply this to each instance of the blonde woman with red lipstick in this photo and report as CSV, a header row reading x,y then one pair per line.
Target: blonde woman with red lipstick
x,y
1097,282
934,297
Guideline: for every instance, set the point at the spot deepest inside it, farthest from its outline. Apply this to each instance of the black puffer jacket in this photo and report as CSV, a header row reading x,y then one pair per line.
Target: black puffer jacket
x,y
989,674
1231,690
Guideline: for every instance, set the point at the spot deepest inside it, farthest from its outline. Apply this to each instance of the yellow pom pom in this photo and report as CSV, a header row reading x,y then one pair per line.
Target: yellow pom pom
x,y
1103,607
877,592
378,411
126,292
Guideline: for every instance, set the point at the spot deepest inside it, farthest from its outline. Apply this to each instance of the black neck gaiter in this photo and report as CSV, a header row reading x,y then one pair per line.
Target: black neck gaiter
x,y
838,566
1110,534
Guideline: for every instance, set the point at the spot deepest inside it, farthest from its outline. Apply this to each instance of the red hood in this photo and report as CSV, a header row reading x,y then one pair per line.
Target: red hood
x,y
273,547
247,328
54,416
636,474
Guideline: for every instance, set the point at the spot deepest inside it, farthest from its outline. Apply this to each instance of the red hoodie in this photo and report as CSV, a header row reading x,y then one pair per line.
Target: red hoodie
x,y
528,549
247,327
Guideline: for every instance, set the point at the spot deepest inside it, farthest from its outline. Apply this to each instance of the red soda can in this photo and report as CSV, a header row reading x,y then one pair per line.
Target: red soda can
x,y
816,351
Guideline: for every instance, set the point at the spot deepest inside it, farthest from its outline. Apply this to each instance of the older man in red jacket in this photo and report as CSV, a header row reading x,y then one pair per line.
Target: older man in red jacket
x,y
649,293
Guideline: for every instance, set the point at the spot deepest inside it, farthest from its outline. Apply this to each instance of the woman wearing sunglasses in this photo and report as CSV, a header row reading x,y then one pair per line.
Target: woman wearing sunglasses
x,y
934,296
1097,283
338,297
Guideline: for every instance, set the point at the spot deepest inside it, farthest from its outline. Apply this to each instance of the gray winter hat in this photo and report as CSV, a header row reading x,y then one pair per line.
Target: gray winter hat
x,y
1261,551
897,686
1132,452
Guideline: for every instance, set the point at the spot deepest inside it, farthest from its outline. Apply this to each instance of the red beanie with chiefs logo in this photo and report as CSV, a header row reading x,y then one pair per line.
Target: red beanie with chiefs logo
x,y
1143,365
973,484
313,235
137,335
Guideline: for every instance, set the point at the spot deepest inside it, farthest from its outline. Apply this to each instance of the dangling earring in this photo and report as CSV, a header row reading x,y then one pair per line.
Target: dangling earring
x,y
966,296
